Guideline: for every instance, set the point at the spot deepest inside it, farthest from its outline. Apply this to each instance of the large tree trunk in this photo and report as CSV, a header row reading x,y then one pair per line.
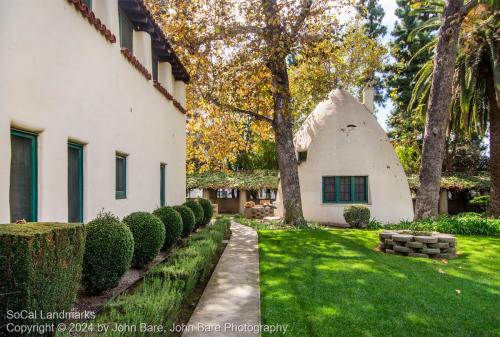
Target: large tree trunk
x,y
494,116
437,113
275,37
287,160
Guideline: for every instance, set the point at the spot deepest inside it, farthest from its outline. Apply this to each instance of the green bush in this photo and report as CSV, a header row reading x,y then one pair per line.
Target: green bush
x,y
465,223
108,253
208,210
158,299
481,201
173,224
188,219
40,270
197,210
357,216
149,236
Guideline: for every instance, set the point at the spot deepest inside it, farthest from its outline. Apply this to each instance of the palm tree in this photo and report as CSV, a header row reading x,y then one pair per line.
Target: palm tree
x,y
476,83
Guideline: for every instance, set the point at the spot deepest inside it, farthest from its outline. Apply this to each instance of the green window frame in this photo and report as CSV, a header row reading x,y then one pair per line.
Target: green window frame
x,y
121,176
162,184
34,175
126,31
76,217
344,189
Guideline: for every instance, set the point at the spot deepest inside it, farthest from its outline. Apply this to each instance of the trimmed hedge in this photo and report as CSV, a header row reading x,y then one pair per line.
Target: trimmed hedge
x,y
149,236
173,224
188,219
158,299
357,216
197,210
108,253
208,210
40,269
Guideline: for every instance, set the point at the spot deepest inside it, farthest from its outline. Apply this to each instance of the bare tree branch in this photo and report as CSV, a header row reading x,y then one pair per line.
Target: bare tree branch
x,y
233,31
304,13
224,106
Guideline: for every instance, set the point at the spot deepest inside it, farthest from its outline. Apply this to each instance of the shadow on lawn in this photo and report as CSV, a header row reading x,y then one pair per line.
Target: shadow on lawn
x,y
332,283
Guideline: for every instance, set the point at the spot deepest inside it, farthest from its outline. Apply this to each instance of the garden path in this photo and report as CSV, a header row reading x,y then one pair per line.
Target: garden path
x,y
230,304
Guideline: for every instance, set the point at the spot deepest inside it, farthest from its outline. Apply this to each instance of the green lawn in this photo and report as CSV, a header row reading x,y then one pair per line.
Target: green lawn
x,y
331,283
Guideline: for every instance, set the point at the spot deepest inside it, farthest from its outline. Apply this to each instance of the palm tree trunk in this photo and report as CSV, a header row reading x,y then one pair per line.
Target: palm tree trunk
x,y
437,114
494,117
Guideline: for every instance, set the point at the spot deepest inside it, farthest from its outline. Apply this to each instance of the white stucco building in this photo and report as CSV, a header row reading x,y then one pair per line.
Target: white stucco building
x,y
345,158
92,112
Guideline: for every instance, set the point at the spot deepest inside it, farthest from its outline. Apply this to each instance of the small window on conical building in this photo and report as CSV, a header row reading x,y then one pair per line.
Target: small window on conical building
x,y
302,156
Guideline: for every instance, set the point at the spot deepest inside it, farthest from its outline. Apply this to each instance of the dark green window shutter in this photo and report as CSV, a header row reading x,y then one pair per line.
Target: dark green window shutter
x,y
121,177
23,192
162,184
126,31
154,67
75,183
88,3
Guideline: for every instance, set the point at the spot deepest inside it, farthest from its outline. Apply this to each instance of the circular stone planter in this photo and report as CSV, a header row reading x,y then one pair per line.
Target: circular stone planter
x,y
418,244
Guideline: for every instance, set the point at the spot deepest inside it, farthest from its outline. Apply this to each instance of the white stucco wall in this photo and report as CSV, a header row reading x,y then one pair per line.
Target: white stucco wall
x,y
62,79
334,149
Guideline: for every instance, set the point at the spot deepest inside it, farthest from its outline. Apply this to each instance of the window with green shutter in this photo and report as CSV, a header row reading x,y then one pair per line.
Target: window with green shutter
x,y
126,31
345,189
75,182
162,184
88,3
154,67
302,156
121,176
23,190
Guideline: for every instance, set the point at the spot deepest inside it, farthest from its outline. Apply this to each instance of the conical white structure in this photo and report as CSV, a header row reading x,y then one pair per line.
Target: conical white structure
x,y
348,160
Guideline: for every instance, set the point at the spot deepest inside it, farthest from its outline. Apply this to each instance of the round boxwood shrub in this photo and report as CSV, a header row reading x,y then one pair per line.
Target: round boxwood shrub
x,y
188,219
149,236
197,210
208,210
357,216
173,224
109,248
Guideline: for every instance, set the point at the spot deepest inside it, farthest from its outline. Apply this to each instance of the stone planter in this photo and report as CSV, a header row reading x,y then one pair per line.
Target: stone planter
x,y
258,212
418,244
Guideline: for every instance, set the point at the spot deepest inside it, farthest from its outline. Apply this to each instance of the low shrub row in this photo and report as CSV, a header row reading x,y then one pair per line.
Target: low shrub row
x,y
157,300
465,224
40,271
113,246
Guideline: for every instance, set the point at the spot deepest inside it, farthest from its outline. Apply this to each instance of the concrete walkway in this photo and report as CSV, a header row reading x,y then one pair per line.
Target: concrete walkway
x,y
230,304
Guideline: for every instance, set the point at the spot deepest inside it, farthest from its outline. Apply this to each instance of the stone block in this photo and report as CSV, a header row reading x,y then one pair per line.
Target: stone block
x,y
386,235
414,244
402,237
446,238
426,239
430,251
401,249
390,251
442,245
389,242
